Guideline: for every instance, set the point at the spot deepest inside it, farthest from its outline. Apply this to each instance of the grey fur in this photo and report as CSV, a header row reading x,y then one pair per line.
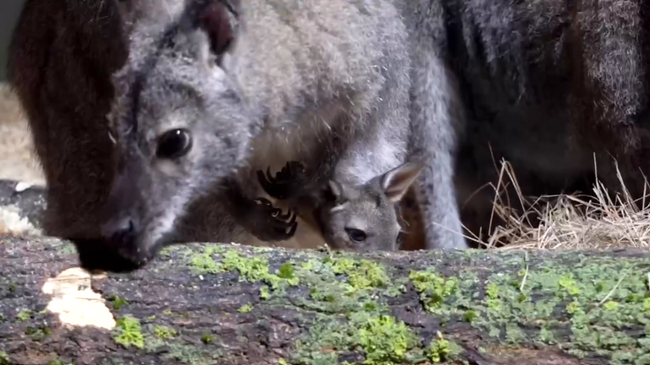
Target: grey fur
x,y
321,89
544,84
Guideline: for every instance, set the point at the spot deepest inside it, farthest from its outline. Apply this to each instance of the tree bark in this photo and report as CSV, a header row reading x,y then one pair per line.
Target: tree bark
x,y
229,304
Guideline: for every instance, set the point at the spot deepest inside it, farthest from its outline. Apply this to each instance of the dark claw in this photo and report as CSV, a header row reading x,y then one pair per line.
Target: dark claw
x,y
285,182
282,220
293,229
269,177
269,185
286,216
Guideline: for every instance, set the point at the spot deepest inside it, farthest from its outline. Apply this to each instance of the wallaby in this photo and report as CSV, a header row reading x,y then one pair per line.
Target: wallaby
x,y
207,99
486,81
360,217
60,61
285,80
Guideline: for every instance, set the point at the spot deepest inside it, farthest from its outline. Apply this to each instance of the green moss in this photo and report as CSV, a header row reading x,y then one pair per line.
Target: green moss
x,y
264,292
251,269
118,302
24,315
245,308
187,354
38,333
385,339
12,288
164,332
362,274
66,248
129,332
546,336
522,303
207,339
203,263
442,350
349,294
60,362
380,337
4,358
599,298
433,288
286,271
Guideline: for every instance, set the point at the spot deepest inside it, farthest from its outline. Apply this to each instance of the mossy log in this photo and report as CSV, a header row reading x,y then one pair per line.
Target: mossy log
x,y
229,304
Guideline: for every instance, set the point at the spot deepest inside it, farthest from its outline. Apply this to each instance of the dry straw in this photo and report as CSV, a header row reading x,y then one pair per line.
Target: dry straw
x,y
598,220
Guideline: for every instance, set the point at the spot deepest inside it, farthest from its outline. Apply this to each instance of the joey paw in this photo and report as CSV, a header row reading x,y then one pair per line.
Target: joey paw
x,y
286,182
267,223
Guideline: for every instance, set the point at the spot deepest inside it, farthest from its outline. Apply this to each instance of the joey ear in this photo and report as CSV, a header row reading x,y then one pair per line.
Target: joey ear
x,y
215,22
395,183
333,192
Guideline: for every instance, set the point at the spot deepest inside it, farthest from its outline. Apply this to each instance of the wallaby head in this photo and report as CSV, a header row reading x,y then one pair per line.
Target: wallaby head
x,y
178,123
364,217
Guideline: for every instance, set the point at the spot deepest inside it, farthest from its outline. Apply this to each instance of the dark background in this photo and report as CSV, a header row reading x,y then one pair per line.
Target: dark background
x,y
9,11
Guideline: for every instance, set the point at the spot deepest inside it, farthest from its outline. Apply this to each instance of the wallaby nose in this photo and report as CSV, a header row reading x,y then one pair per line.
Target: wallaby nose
x,y
120,231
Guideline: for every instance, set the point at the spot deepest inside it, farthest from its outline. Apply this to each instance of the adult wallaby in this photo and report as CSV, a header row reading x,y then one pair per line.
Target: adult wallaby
x,y
362,77
362,217
211,92
206,100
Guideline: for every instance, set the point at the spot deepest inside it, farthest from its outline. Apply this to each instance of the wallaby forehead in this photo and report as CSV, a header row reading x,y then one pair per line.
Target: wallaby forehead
x,y
157,78
366,216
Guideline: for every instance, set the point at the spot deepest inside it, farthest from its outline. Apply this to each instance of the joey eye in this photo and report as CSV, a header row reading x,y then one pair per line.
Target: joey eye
x,y
356,234
174,144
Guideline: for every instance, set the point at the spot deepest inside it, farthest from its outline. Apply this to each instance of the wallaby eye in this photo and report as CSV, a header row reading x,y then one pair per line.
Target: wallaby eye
x,y
356,234
174,144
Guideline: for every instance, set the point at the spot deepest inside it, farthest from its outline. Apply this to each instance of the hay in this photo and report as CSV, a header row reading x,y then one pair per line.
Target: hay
x,y
588,221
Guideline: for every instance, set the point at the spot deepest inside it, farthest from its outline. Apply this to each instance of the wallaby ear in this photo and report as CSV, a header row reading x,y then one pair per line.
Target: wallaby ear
x,y
395,183
215,22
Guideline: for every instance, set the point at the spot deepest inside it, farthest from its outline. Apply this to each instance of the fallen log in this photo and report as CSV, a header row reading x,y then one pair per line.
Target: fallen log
x,y
229,304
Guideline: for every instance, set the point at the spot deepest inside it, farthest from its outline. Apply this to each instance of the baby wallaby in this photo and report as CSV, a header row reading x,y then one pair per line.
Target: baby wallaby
x,y
358,217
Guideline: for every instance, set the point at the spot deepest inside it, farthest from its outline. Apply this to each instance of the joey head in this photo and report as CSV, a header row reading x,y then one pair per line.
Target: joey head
x,y
365,217
356,217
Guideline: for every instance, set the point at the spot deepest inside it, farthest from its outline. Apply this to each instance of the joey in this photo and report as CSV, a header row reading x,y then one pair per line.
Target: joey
x,y
360,217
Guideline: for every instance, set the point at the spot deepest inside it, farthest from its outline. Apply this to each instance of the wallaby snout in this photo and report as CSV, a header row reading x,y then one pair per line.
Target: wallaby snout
x,y
123,227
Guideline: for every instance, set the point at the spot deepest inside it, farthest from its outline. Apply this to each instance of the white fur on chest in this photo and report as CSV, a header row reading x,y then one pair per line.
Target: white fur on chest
x,y
301,140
